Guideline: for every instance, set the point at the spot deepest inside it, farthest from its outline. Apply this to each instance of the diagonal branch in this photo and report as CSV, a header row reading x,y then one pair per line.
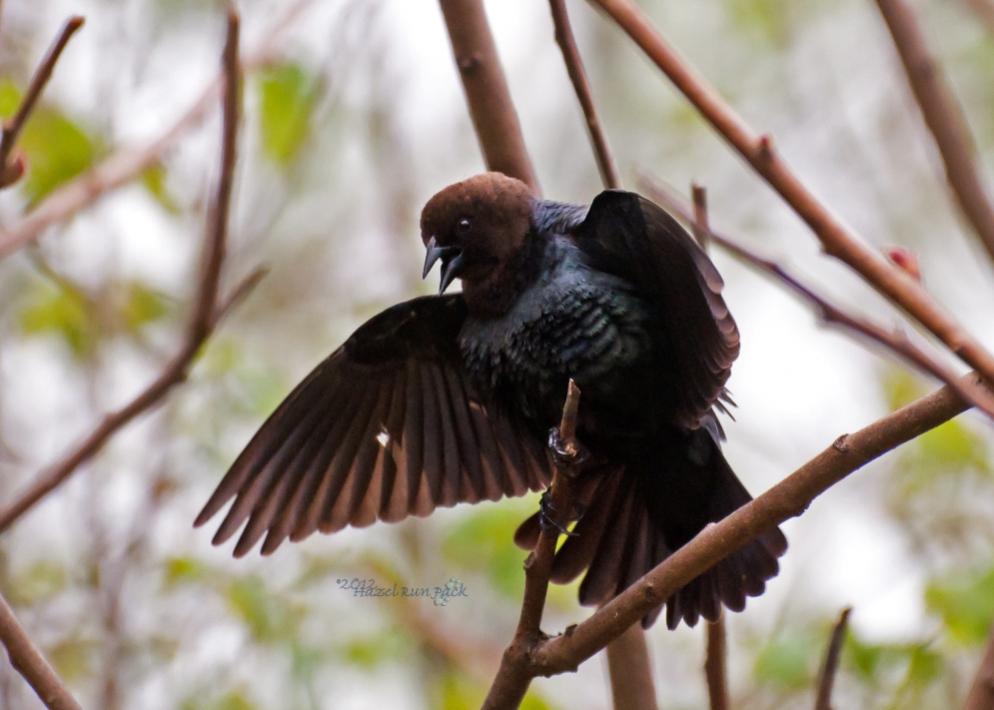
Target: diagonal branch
x,y
11,172
512,679
494,118
837,239
202,319
787,499
578,77
829,667
893,340
943,116
127,163
30,663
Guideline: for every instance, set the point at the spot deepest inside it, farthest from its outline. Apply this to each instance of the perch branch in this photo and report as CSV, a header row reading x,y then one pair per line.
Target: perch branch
x,y
202,319
30,663
127,163
895,340
837,239
829,667
11,172
943,116
511,683
494,118
578,77
786,499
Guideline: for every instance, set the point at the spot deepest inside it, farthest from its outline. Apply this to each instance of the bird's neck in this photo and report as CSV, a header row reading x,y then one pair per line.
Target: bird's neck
x,y
495,295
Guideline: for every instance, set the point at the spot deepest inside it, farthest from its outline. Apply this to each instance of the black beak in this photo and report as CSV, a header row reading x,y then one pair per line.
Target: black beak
x,y
452,260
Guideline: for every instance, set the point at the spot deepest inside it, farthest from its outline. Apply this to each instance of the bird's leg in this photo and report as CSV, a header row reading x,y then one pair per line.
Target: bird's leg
x,y
546,517
568,456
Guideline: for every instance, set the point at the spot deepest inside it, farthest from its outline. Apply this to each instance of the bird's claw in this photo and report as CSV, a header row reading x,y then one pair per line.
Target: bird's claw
x,y
567,456
546,518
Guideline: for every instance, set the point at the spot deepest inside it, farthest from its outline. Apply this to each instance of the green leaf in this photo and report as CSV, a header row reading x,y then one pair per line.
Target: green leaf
x,y
370,651
10,98
788,662
61,312
286,101
142,305
965,602
183,570
154,181
73,657
232,700
42,580
57,149
268,617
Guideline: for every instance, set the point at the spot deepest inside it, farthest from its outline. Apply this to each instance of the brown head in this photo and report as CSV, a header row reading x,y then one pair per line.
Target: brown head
x,y
476,228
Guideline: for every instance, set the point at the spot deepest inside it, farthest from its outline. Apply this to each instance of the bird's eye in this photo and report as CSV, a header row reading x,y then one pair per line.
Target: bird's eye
x,y
463,225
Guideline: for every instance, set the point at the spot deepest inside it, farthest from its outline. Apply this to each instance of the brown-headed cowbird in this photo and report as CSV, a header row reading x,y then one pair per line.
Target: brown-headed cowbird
x,y
450,398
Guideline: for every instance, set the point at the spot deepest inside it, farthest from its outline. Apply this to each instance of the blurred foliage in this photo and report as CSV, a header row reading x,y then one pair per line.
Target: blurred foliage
x,y
62,312
964,600
286,101
57,147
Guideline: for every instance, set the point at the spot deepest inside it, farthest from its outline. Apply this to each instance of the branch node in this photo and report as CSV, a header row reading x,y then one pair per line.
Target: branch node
x,y
841,444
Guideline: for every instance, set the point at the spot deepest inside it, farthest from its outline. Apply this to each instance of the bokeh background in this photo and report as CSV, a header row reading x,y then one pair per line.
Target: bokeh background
x,y
355,122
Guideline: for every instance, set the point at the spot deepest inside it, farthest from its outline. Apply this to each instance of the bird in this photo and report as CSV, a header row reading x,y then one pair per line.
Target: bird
x,y
450,398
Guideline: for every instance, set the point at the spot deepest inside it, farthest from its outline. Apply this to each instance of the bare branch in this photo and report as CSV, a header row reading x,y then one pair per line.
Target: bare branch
x,y
30,663
578,77
715,664
837,239
511,683
10,173
981,695
787,499
628,665
494,117
127,163
984,10
201,320
943,116
893,340
826,678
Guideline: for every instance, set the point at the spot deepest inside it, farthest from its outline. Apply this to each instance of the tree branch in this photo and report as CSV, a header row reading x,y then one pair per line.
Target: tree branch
x,y
715,665
893,340
787,499
512,679
11,172
981,695
943,116
826,678
30,663
836,238
578,77
127,163
494,117
202,319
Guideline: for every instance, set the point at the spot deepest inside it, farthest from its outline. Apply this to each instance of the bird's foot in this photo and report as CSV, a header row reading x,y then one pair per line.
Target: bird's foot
x,y
546,516
568,456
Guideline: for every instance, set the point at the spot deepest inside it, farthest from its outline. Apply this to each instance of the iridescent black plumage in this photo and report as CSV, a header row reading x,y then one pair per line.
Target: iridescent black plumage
x,y
449,399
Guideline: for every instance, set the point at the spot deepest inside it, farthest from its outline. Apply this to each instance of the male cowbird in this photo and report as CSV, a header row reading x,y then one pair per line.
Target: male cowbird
x,y
450,398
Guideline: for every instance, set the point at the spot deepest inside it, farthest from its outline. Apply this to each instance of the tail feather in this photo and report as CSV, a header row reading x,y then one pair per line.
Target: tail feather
x,y
636,516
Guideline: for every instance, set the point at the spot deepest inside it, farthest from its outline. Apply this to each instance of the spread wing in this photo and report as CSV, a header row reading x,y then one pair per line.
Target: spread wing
x,y
387,426
631,237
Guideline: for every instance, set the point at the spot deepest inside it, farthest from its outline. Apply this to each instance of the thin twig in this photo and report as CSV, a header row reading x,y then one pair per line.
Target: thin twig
x,y
10,173
829,667
494,117
630,671
512,679
894,340
578,77
789,498
715,666
981,695
127,163
943,116
201,320
30,663
837,239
